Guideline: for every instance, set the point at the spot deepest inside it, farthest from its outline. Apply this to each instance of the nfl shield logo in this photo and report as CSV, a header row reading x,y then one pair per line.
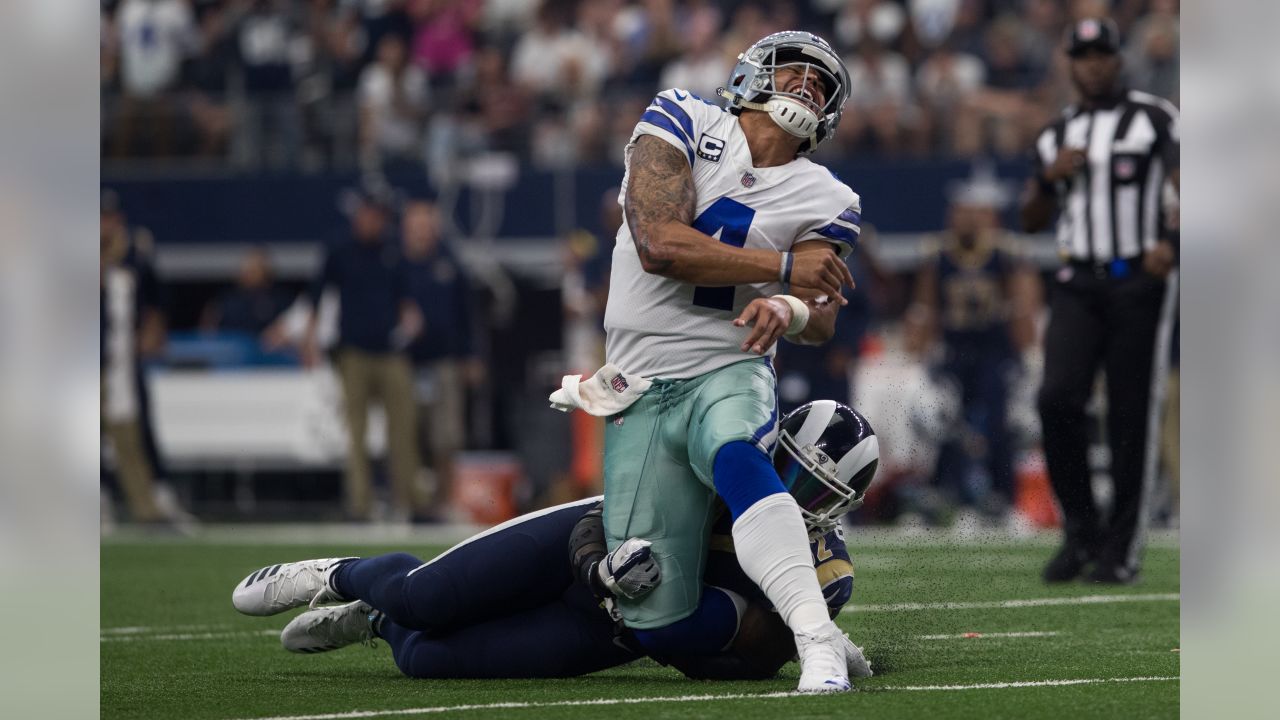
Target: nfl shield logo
x,y
1125,168
748,179
618,383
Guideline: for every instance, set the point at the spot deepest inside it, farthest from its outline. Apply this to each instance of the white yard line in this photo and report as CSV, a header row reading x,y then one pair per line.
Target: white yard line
x,y
188,636
207,632
1007,604
148,629
700,698
1029,683
984,635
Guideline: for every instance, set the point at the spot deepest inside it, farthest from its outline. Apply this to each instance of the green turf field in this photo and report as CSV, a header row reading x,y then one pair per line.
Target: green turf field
x,y
172,647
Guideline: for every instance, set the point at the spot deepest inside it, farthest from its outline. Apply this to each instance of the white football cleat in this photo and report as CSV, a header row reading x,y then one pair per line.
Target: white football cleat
x,y
276,588
827,659
329,628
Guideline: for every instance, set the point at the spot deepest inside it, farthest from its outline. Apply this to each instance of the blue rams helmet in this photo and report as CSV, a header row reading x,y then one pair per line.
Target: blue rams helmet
x,y
751,85
827,457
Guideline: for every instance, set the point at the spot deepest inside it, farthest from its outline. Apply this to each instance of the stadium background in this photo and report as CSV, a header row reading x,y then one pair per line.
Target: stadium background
x,y
233,125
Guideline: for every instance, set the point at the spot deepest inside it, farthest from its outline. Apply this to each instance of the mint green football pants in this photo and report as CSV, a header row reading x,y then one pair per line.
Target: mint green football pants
x,y
658,456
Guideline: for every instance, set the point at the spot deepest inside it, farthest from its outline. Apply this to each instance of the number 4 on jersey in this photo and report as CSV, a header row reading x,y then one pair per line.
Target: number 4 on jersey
x,y
732,220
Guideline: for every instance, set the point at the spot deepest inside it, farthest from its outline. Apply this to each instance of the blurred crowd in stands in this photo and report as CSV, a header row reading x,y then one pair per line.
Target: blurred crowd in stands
x,y
311,84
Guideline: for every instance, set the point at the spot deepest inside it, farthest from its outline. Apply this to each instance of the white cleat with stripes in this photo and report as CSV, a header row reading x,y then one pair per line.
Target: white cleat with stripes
x,y
329,628
277,588
828,659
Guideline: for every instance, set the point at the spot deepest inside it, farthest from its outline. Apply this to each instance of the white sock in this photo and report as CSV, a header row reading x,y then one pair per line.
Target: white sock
x,y
773,550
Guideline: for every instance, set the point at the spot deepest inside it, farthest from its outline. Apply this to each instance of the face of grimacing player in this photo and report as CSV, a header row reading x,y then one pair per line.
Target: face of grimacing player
x,y
794,79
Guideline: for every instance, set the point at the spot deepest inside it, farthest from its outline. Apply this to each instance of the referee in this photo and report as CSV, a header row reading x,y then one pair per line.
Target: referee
x,y
1103,164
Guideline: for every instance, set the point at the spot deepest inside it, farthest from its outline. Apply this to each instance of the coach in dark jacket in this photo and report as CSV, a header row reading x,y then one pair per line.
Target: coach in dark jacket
x,y
443,354
1104,164
377,321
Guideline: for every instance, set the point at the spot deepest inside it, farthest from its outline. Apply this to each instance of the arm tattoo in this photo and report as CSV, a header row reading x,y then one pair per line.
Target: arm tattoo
x,y
660,190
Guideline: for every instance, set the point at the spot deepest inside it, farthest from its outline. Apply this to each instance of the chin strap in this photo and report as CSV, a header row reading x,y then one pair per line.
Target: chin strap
x,y
790,115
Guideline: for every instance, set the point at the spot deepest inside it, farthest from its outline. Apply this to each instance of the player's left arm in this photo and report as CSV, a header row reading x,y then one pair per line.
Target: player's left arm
x,y
773,317
822,310
812,320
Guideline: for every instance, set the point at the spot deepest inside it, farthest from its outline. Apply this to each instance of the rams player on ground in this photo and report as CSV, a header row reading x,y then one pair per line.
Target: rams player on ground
x,y
507,603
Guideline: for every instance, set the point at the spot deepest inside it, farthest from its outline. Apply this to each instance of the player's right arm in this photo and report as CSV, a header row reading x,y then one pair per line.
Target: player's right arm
x,y
659,209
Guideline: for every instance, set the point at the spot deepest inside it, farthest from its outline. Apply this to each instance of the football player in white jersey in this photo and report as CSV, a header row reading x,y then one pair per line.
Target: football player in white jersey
x,y
732,240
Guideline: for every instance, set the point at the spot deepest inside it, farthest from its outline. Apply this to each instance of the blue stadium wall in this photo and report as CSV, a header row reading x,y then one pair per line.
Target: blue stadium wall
x,y
898,197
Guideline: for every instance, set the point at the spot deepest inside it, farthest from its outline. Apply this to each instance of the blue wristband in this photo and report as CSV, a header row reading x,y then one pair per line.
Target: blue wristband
x,y
788,260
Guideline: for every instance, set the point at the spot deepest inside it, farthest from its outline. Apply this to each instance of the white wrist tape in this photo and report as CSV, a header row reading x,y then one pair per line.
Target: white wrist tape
x,y
799,314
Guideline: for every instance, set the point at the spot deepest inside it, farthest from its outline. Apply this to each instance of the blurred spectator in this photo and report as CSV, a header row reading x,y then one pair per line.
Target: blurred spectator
x,y
556,62
492,113
442,36
377,321
377,19
946,82
748,24
335,45
1042,29
650,35
252,305
703,67
1005,114
502,20
153,37
880,110
393,104
979,297
863,20
270,123
1151,57
444,359
207,80
132,328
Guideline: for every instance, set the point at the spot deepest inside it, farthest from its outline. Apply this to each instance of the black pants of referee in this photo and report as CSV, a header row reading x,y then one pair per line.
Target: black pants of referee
x,y
1102,322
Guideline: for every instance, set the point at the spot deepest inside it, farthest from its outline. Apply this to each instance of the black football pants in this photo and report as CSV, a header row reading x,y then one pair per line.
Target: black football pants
x,y
1100,322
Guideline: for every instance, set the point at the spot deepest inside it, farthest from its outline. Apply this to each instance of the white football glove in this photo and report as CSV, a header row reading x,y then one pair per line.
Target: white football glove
x,y
630,571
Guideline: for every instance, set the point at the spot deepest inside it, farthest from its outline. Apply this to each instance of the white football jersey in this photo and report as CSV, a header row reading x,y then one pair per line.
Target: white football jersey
x,y
663,328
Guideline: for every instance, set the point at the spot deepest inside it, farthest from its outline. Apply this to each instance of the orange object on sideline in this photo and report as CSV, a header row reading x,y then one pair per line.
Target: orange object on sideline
x,y
1034,496
485,487
586,466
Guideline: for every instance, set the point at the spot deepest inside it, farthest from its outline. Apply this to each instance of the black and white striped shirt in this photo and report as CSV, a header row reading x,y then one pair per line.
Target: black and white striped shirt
x,y
1113,207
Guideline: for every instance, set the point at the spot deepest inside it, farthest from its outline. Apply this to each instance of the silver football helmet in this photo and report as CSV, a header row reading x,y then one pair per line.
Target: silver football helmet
x,y
751,85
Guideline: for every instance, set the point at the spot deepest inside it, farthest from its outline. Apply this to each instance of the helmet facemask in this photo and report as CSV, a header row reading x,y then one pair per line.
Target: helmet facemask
x,y
752,85
810,476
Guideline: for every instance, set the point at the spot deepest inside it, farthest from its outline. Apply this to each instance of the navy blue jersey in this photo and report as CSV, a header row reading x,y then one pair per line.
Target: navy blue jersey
x,y
370,280
973,291
438,284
